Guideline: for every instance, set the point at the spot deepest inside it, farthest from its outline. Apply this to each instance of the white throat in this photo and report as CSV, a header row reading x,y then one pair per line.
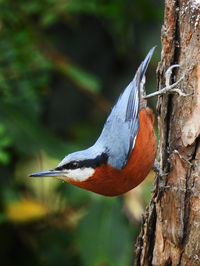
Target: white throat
x,y
80,174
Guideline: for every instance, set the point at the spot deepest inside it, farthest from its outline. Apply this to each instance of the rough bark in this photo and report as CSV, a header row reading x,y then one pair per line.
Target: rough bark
x,y
170,232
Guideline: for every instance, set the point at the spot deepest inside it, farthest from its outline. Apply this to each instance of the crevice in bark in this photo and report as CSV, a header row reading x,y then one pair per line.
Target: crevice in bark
x,y
140,244
177,34
146,238
180,259
169,111
168,262
195,149
170,97
151,234
186,227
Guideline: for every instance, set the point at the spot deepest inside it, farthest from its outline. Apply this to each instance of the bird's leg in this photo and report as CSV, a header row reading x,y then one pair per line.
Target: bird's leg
x,y
169,89
160,187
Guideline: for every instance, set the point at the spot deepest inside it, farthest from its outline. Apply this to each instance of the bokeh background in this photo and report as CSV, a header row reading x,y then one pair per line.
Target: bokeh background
x,y
62,65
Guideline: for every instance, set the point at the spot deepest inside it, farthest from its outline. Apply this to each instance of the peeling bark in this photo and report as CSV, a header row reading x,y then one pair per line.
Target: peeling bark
x,y
170,232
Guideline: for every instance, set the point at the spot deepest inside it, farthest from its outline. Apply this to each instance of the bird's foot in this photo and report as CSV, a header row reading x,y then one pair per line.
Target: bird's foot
x,y
169,89
156,168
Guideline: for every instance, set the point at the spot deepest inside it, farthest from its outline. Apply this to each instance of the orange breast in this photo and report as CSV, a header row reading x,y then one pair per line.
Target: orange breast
x,y
111,182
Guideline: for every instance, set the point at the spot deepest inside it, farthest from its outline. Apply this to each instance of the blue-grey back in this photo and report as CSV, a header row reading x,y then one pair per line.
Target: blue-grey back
x,y
122,125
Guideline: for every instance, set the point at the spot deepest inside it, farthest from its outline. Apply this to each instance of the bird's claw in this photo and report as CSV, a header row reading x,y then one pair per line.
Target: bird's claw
x,y
156,168
169,89
168,74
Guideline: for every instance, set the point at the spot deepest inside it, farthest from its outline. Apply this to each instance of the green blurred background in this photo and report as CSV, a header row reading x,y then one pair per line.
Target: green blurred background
x,y
62,65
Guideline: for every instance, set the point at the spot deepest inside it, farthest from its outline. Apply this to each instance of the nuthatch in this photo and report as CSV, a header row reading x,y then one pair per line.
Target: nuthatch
x,y
125,151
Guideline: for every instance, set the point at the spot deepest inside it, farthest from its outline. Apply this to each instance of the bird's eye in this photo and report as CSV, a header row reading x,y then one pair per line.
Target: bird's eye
x,y
74,165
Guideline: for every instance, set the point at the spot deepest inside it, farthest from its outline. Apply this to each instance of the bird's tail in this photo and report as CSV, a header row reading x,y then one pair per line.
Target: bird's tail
x,y
131,100
140,76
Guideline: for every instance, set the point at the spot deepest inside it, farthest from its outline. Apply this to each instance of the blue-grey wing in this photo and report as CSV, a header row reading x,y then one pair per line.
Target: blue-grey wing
x,y
122,125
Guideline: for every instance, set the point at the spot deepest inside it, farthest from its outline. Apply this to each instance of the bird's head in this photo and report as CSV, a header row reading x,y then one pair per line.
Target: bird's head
x,y
77,166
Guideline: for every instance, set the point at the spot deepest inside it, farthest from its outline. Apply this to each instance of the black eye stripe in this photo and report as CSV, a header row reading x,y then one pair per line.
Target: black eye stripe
x,y
94,163
71,165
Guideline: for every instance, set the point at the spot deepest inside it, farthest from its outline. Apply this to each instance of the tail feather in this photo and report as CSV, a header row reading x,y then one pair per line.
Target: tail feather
x,y
133,105
146,61
140,77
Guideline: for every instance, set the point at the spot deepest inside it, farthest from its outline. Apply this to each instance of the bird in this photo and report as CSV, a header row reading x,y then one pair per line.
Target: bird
x,y
125,151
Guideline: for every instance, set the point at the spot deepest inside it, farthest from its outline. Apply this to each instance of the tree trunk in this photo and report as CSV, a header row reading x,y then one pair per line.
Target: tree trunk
x,y
170,232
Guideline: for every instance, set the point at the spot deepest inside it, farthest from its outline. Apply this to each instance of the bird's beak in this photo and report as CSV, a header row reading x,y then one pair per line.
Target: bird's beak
x,y
46,173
